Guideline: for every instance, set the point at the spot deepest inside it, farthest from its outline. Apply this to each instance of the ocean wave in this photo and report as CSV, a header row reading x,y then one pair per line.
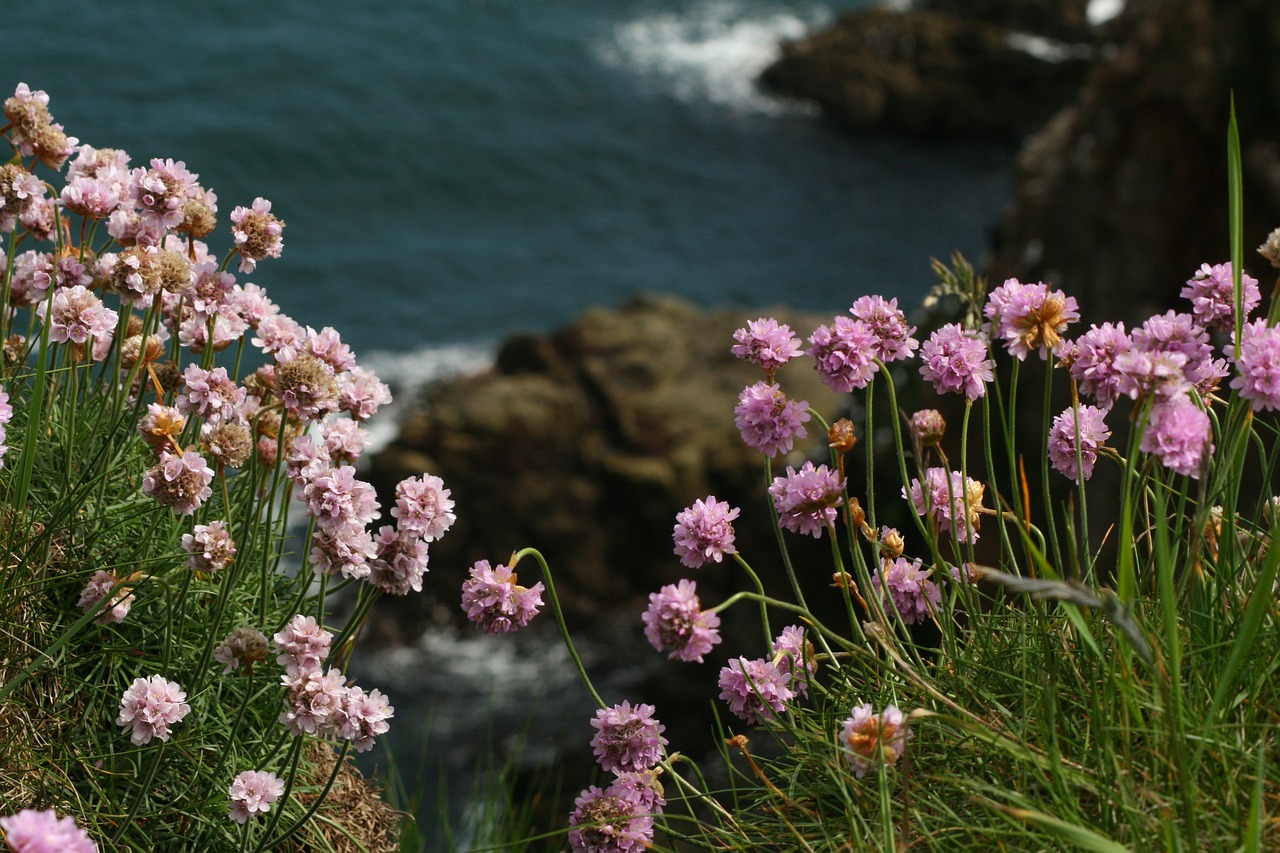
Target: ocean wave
x,y
712,52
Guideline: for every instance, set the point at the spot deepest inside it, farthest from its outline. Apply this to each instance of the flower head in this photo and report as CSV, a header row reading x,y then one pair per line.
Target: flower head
x,y
314,701
886,321
362,717
944,497
843,354
908,588
30,831
1179,434
704,532
77,315
806,500
1029,317
252,793
257,233
767,343
1093,362
399,562
928,427
179,482
627,738
150,706
870,739
1259,365
1212,294
494,601
793,655
675,622
103,585
768,421
302,645
956,360
242,646
210,547
1081,430
423,506
613,820
756,690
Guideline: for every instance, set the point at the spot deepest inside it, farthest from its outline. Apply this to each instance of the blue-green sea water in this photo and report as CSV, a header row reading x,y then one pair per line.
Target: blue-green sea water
x,y
454,170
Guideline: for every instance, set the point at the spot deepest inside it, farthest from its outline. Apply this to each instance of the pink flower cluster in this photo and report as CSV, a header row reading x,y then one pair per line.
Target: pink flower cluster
x,y
252,793
30,831
675,622
616,819
1074,439
908,588
768,421
494,601
627,738
756,690
103,585
704,532
806,500
951,500
150,706
871,740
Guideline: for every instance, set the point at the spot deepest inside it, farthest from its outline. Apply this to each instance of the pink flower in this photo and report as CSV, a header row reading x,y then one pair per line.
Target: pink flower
x,y
908,589
627,738
423,506
843,354
494,601
335,497
704,532
871,739
252,793
767,343
161,191
346,549
327,346
793,655
1212,294
210,394
242,646
755,689
1179,434
344,439
77,315
179,482
1093,362
257,233
1169,354
102,585
1259,365
675,623
361,393
806,500
150,706
1065,438
303,645
400,561
614,820
955,360
314,701
886,321
768,421
210,547
1029,317
362,717
944,497
30,831
928,427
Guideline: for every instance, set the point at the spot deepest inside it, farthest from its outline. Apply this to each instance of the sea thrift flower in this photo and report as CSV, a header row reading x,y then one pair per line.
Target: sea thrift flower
x,y
252,793
400,561
869,739
928,427
755,689
1270,248
362,717
627,738
423,506
493,601
335,497
361,393
208,290
889,325
161,426
210,547
347,549
610,821
251,303
257,233
210,394
281,336
1212,294
766,342
1029,317
161,191
1179,434
306,387
768,421
92,198
313,702
675,622
643,786
704,532
908,589
228,443
77,315
101,585
1093,362
242,646
1161,344
841,436
150,706
1259,366
955,360
344,439
806,500
794,657
943,498
179,482
327,346
843,354
1065,438
32,277
305,460
30,831
302,645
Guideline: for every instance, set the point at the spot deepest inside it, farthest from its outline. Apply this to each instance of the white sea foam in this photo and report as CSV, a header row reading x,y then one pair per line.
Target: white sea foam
x,y
1101,11
711,52
408,373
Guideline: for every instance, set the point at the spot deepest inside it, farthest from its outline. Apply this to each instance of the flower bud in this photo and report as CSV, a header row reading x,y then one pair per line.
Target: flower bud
x,y
928,427
841,435
891,543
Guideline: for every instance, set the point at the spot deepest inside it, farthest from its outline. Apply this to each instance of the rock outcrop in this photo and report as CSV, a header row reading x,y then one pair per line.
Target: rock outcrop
x,y
940,73
585,443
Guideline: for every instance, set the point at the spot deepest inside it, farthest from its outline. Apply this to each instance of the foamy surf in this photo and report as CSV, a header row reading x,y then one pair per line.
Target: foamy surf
x,y
712,52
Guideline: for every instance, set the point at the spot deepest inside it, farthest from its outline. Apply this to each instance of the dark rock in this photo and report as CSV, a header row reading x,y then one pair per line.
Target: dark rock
x,y
1065,20
585,444
1123,194
931,73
